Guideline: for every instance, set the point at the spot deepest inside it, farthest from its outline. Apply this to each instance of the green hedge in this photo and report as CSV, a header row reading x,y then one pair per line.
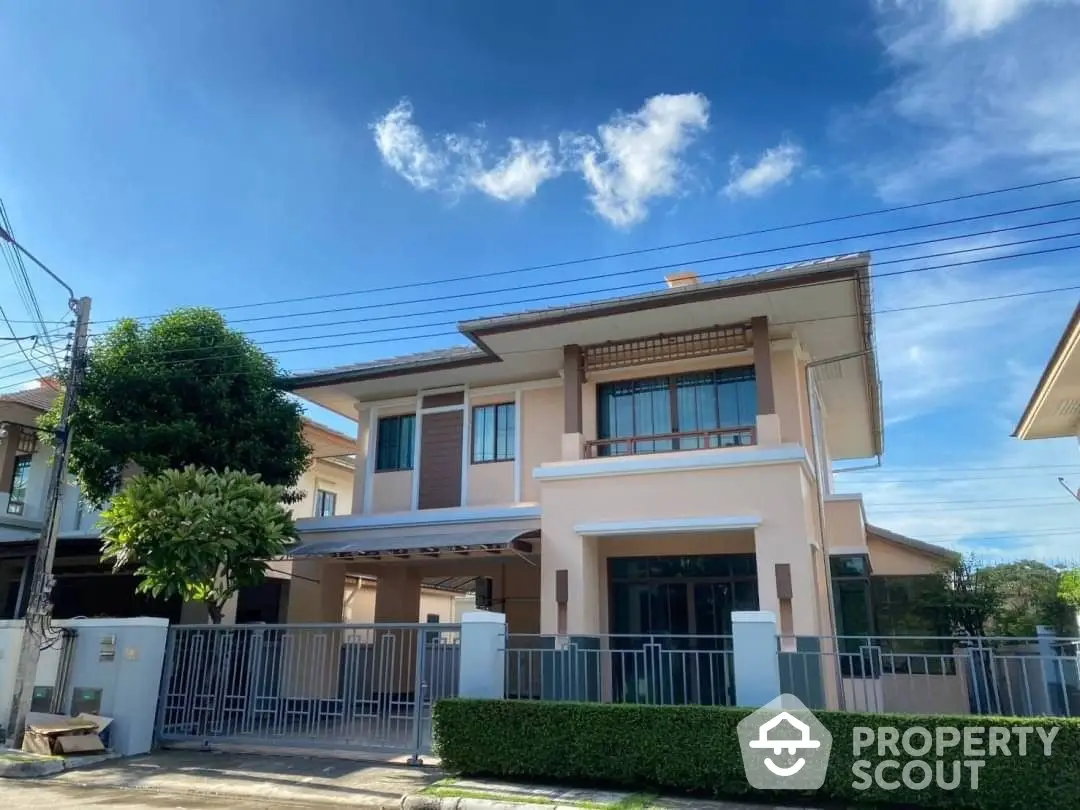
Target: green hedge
x,y
695,750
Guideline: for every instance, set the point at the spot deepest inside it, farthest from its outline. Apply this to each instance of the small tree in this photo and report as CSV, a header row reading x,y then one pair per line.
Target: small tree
x,y
183,390
968,598
196,534
1069,592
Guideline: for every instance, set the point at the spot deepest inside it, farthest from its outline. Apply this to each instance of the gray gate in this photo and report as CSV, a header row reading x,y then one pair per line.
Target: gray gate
x,y
367,687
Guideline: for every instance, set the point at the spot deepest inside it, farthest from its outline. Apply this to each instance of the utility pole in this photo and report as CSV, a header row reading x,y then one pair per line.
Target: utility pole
x,y
39,606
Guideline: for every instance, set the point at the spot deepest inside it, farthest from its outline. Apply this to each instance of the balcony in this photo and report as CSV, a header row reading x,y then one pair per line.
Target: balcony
x,y
710,439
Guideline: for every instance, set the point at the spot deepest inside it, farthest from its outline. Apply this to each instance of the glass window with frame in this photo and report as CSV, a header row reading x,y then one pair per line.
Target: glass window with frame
x,y
394,443
664,407
325,503
20,479
493,433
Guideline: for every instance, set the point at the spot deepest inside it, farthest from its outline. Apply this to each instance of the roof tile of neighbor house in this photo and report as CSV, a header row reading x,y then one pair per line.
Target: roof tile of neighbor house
x,y
790,276
40,398
910,542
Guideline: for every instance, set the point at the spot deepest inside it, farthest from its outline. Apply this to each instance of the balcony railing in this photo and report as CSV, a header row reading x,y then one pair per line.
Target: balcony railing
x,y
671,442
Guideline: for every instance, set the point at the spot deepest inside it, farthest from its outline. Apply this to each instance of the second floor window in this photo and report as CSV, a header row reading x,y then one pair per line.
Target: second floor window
x,y
325,503
677,412
493,433
19,481
394,443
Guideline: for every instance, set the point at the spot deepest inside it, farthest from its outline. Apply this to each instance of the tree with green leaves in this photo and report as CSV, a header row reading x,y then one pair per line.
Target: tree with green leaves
x,y
183,390
196,534
1029,592
1069,592
966,597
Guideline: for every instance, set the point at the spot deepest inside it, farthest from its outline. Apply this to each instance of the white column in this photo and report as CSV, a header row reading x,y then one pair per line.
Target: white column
x,y
482,658
756,657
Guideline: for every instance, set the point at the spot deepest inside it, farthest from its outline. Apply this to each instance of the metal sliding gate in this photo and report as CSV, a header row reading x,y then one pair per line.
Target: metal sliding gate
x,y
367,687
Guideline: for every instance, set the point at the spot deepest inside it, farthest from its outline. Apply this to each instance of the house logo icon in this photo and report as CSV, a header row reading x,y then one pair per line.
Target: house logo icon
x,y
784,747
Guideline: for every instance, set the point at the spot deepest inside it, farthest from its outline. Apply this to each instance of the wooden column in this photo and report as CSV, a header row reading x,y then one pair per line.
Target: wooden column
x,y
572,381
766,399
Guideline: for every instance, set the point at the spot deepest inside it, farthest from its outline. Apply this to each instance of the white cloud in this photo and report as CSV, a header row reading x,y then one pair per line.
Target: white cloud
x,y
984,84
932,356
455,163
775,166
405,149
1004,505
633,160
638,156
976,18
519,175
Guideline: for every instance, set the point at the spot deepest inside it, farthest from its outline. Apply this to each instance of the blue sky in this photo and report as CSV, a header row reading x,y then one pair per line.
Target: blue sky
x,y
224,154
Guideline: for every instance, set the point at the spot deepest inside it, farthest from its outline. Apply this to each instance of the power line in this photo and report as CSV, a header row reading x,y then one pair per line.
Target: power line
x,y
547,283
690,243
965,469
920,307
571,307
637,286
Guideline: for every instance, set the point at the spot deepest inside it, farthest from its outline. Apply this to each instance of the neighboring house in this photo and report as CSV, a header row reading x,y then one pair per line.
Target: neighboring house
x,y
1054,408
642,465
83,585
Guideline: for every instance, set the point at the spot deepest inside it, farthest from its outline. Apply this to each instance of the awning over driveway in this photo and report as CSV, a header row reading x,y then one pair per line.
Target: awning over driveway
x,y
426,541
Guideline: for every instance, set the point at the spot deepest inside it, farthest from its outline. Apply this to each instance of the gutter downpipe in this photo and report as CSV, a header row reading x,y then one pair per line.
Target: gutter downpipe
x,y
821,472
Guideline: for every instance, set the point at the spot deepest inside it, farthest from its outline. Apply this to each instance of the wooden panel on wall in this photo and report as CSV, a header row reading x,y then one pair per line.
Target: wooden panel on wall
x,y
440,459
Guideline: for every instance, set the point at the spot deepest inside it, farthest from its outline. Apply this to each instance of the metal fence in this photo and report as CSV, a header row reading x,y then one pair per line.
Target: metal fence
x,y
1022,677
657,669
358,687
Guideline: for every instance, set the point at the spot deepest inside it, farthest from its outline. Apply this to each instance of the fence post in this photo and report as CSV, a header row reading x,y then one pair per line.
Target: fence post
x,y
756,657
482,659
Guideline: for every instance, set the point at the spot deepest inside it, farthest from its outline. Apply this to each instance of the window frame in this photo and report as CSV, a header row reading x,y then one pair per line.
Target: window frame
x,y
676,437
404,448
509,411
26,461
321,496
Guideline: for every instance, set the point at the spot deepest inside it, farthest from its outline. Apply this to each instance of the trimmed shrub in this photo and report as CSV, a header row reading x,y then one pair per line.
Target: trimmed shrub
x,y
695,750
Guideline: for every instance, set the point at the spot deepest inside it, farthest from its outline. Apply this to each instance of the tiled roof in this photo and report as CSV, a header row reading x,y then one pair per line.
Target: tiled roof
x,y
402,362
39,398
800,273
794,271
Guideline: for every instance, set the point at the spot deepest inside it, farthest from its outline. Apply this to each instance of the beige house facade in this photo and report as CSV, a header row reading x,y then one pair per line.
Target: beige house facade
x,y
636,466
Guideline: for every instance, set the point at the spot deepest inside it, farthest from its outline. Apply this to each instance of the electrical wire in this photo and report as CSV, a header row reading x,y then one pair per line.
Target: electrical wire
x,y
642,285
650,284
678,245
570,308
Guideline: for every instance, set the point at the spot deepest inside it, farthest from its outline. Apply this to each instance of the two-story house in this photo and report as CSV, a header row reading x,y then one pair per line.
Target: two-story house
x,y
640,465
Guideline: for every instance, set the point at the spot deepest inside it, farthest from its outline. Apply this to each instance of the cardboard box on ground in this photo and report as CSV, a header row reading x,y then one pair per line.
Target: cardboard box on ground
x,y
57,734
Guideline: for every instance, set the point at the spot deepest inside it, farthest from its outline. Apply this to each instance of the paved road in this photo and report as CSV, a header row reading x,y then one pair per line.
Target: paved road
x,y
59,796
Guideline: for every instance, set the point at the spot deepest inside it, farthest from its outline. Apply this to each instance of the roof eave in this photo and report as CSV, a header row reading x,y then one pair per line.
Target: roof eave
x,y
1070,338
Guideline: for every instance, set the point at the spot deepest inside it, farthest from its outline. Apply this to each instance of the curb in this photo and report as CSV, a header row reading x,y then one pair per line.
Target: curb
x,y
421,802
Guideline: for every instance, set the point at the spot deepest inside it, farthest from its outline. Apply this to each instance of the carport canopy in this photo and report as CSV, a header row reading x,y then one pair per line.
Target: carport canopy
x,y
424,541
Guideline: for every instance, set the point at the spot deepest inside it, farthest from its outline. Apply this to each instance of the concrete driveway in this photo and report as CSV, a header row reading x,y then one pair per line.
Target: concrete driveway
x,y
197,779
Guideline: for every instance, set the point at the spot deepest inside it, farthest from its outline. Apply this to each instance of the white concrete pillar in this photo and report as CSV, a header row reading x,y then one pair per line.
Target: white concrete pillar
x,y
756,657
482,659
